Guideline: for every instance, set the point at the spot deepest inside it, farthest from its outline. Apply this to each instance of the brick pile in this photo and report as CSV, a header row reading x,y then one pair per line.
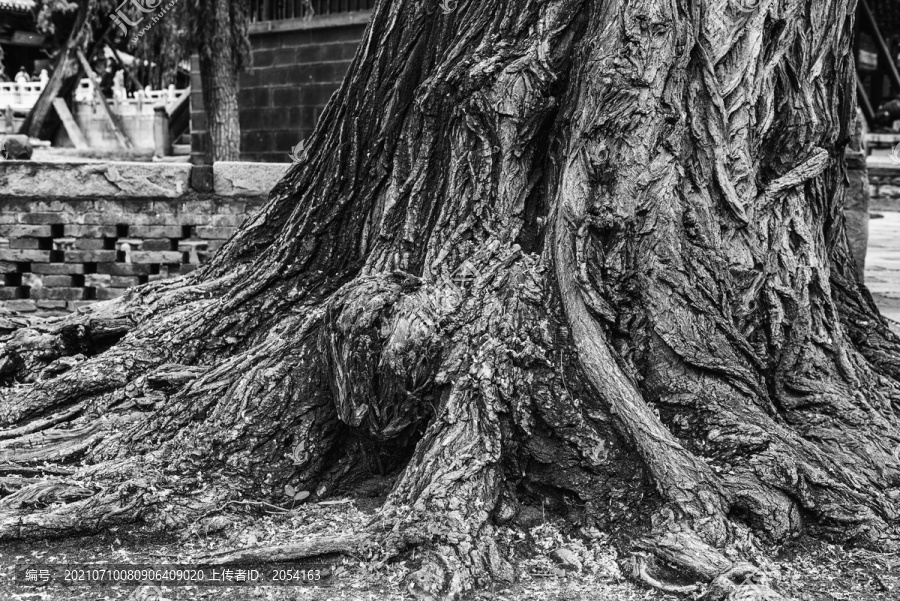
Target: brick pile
x,y
58,255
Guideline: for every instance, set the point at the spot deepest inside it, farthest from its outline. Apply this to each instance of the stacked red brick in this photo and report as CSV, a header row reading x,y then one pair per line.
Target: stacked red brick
x,y
61,254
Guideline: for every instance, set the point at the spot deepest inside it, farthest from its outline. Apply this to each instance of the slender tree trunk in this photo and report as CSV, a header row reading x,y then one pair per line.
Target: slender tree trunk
x,y
584,256
219,68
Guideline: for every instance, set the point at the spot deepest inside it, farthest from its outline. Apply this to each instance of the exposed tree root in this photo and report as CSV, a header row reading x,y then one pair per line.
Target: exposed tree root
x,y
353,546
39,425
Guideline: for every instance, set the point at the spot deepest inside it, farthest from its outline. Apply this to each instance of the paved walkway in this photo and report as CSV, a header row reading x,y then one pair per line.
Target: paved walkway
x,y
883,262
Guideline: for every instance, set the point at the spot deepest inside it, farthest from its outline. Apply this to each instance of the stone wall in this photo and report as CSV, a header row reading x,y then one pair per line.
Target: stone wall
x,y
59,254
98,132
123,224
296,66
118,225
884,185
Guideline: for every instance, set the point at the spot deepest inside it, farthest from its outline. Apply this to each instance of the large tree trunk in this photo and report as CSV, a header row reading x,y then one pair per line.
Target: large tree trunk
x,y
582,255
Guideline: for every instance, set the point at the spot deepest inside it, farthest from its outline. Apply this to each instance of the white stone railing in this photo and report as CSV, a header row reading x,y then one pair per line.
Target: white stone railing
x,y
23,96
19,96
143,100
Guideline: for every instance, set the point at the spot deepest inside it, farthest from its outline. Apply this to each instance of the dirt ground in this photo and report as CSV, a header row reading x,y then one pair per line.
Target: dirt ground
x,y
805,570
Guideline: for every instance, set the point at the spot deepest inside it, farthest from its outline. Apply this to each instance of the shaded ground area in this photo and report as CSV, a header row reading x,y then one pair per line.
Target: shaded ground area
x,y
806,570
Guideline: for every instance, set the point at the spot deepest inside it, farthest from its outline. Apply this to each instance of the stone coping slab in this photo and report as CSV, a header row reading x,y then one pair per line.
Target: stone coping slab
x,y
883,165
93,179
236,178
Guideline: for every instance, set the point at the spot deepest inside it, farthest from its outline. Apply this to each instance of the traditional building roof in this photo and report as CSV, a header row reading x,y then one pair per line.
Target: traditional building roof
x,y
17,5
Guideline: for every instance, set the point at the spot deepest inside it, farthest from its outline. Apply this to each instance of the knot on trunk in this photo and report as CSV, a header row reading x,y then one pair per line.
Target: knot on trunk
x,y
382,342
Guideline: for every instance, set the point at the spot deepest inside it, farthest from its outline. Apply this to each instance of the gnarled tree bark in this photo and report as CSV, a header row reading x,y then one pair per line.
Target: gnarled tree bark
x,y
587,255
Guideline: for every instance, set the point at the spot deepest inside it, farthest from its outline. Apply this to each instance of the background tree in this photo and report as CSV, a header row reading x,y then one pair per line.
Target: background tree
x,y
585,256
218,33
216,30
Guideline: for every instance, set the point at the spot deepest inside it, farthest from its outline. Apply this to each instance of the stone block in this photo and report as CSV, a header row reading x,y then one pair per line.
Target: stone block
x,y
89,231
39,218
52,305
155,231
140,256
97,280
25,305
58,268
157,244
57,293
89,243
227,220
24,231
25,243
25,256
57,281
246,179
91,180
124,269
90,256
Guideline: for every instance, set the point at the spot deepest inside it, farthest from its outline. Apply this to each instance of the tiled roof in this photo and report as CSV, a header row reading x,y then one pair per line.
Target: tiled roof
x,y
17,5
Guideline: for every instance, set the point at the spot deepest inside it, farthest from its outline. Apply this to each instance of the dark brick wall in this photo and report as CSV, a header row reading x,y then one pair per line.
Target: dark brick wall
x,y
296,68
60,254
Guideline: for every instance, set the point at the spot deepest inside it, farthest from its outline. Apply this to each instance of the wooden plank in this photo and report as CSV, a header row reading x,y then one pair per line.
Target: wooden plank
x,y
69,123
864,102
117,129
61,79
